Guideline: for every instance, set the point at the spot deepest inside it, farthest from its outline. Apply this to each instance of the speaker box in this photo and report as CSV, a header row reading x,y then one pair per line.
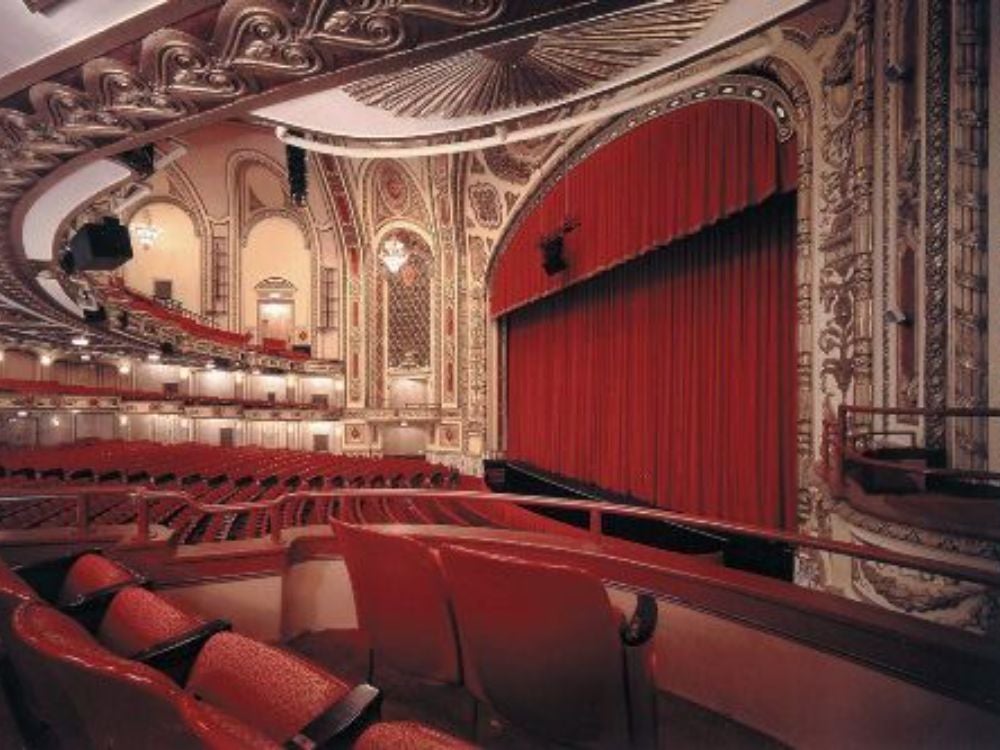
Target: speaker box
x,y
552,255
101,247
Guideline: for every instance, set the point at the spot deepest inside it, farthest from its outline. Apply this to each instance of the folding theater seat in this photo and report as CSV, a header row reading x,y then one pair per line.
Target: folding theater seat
x,y
82,585
542,645
402,603
92,698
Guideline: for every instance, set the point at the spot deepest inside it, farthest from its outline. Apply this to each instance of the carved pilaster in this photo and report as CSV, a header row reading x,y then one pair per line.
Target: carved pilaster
x,y
938,82
970,302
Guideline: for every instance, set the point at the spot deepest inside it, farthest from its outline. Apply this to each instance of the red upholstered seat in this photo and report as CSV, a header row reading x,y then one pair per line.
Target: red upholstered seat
x,y
541,645
13,592
406,735
402,602
273,690
92,573
93,698
138,619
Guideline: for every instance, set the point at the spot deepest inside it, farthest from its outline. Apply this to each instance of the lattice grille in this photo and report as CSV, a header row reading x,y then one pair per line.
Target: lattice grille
x,y
409,313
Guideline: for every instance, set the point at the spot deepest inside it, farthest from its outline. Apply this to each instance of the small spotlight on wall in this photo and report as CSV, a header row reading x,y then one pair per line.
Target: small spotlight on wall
x,y
255,371
2,354
210,365
124,368
239,377
45,360
84,357
123,420
184,373
22,414
153,357
55,421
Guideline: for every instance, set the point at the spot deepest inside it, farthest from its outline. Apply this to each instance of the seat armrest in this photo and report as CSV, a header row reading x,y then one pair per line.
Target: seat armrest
x,y
89,610
641,626
176,656
340,725
46,576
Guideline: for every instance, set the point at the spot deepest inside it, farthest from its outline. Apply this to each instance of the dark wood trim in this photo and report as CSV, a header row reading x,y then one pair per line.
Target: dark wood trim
x,y
101,43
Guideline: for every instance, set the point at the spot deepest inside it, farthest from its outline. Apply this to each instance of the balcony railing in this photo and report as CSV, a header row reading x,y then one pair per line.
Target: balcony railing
x,y
887,440
143,500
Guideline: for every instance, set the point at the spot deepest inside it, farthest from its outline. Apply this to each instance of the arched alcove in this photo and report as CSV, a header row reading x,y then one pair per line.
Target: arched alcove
x,y
276,249
166,255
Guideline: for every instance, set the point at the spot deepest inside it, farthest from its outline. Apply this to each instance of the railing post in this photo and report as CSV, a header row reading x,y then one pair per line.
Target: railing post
x,y
275,512
141,515
595,522
82,511
841,444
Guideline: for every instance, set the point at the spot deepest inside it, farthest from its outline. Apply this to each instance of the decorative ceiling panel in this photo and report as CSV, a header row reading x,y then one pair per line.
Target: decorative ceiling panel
x,y
537,69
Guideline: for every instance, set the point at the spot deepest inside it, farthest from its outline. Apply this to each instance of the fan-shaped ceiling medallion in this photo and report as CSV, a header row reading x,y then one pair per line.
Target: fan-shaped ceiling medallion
x,y
535,70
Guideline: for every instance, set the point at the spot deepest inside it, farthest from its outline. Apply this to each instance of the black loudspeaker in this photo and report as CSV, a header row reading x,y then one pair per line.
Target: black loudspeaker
x,y
166,349
552,254
100,247
95,315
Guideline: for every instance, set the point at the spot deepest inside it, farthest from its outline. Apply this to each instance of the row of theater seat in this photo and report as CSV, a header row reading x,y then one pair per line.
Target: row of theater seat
x,y
139,303
99,661
52,388
539,643
221,476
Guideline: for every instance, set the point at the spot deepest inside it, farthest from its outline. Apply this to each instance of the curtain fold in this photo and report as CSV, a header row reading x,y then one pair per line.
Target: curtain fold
x,y
672,377
663,180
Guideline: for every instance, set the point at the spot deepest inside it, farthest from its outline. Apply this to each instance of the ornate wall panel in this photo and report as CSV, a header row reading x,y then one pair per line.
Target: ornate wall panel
x,y
938,120
970,193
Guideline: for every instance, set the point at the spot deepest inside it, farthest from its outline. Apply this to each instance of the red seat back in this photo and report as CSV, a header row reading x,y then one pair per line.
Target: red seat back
x,y
402,602
271,689
92,698
541,644
92,573
137,620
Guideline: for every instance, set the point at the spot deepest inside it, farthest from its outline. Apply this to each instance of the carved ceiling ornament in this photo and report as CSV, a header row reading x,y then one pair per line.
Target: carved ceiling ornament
x,y
535,70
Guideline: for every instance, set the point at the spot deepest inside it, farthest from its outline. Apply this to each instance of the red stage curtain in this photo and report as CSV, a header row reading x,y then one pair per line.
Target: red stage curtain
x,y
672,377
661,181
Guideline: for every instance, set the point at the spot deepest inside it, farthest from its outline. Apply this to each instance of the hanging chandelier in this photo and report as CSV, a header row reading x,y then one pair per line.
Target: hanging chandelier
x,y
394,254
146,233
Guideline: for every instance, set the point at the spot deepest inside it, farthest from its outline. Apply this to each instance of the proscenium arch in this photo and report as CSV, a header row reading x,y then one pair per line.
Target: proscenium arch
x,y
779,83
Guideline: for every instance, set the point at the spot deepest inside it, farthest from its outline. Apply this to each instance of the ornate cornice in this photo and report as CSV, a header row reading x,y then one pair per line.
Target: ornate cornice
x,y
535,70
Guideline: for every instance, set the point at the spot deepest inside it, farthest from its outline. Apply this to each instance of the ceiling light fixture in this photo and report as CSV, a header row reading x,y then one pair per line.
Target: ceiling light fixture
x,y
394,254
145,232
79,341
